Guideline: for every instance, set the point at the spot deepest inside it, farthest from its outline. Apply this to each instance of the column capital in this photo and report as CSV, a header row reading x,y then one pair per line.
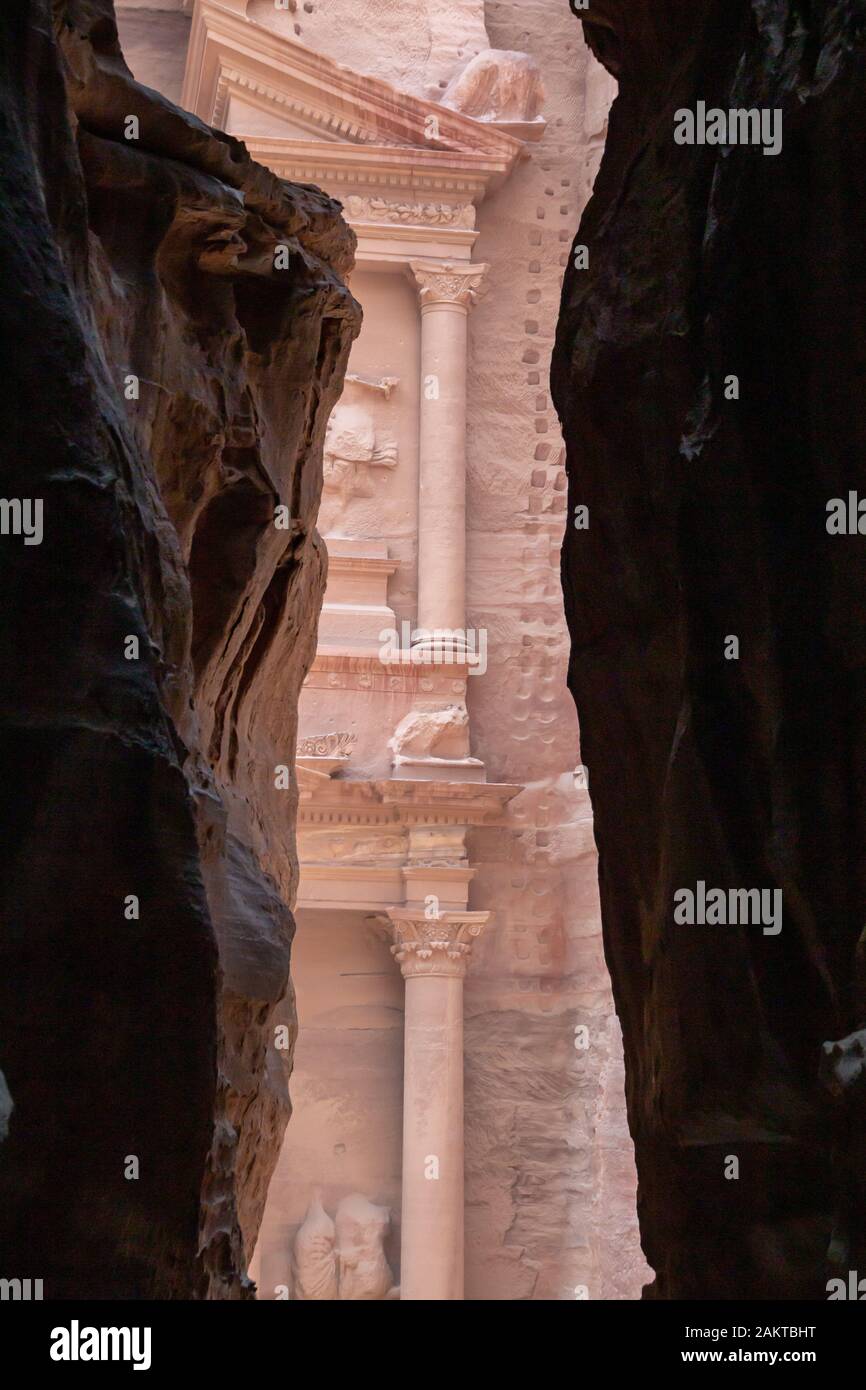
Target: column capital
x,y
434,945
448,282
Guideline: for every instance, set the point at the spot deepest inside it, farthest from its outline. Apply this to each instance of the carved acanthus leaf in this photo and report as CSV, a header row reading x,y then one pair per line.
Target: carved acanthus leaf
x,y
336,745
436,945
448,283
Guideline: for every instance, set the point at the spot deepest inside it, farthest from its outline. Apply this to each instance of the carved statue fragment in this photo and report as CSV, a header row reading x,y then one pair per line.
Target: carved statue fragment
x,y
364,1273
497,85
432,734
343,1260
353,447
314,1267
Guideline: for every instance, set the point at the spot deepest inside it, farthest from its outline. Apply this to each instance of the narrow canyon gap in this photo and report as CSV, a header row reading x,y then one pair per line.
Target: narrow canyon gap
x,y
707,511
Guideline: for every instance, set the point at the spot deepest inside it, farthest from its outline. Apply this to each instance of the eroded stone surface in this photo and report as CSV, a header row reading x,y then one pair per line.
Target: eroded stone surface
x,y
168,390
707,519
419,44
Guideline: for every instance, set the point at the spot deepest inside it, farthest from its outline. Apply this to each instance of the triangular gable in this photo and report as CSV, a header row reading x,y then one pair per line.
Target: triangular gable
x,y
232,59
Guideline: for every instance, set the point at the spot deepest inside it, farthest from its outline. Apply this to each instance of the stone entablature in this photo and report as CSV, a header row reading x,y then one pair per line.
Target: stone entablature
x,y
374,845
388,172
388,802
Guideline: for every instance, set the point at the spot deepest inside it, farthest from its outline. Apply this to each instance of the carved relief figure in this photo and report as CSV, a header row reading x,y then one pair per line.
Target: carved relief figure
x,y
364,1273
353,446
343,1261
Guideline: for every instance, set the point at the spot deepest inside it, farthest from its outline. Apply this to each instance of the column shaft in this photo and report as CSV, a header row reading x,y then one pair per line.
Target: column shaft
x,y
446,293
432,1222
433,954
442,491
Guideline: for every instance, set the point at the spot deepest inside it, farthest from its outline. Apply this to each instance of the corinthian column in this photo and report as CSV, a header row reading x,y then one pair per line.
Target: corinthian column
x,y
446,291
433,955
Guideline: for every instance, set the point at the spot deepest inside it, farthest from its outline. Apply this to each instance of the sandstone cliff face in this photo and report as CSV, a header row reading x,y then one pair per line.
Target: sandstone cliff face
x,y
166,390
707,519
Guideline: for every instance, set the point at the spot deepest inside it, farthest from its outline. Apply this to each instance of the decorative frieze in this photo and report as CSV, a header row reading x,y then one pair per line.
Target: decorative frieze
x,y
415,803
338,671
408,213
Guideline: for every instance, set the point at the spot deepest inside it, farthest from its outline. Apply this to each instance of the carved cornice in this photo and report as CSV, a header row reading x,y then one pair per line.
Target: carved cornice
x,y
438,945
359,564
403,175
445,282
288,103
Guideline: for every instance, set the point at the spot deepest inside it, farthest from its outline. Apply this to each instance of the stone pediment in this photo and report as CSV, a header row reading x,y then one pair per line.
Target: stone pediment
x,y
278,88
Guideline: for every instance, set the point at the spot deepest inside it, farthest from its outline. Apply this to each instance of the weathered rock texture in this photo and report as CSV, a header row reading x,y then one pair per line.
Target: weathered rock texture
x,y
150,257
707,519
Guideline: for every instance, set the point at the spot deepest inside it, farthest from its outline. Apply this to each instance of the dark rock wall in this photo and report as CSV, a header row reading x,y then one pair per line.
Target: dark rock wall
x,y
707,519
150,257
